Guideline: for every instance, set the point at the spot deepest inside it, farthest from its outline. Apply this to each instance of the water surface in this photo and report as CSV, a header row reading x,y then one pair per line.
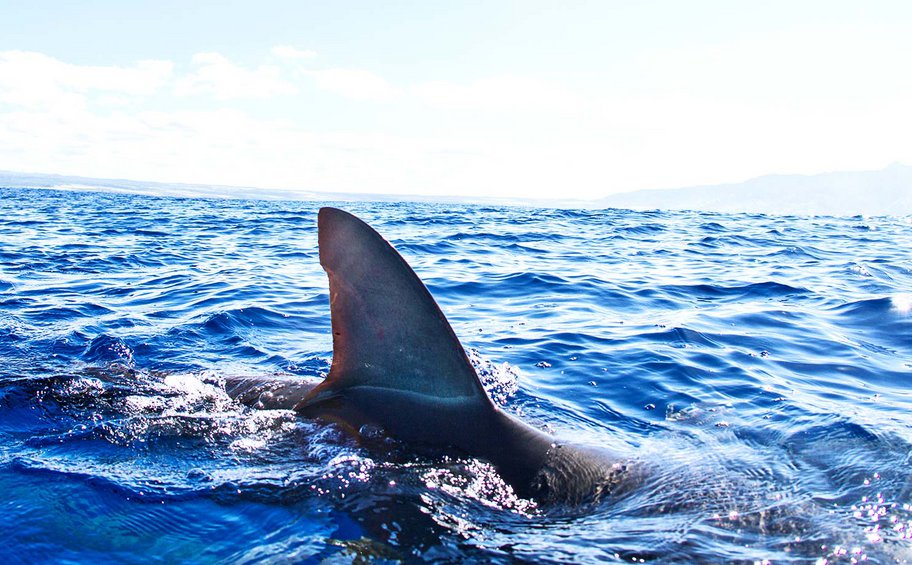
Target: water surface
x,y
759,365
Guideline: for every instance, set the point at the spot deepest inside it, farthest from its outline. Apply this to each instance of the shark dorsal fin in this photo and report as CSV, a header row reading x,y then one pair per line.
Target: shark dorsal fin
x,y
388,332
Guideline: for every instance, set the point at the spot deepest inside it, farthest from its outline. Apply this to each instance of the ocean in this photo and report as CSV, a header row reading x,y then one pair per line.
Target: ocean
x,y
759,365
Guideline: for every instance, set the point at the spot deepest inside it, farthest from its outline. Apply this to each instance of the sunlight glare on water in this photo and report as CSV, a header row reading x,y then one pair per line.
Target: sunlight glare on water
x,y
902,302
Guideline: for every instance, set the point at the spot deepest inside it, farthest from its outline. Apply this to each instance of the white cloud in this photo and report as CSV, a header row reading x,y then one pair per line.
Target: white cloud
x,y
710,115
835,62
288,52
34,80
497,93
355,84
216,76
501,93
30,68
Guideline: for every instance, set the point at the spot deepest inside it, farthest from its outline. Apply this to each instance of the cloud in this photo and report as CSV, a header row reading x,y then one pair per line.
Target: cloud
x,y
288,52
829,62
501,93
35,80
216,76
137,122
498,93
355,84
679,118
30,68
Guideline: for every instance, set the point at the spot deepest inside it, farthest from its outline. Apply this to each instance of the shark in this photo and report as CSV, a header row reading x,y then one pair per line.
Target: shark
x,y
398,367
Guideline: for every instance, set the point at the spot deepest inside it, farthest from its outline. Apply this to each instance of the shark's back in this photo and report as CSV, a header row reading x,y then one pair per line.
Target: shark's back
x,y
398,366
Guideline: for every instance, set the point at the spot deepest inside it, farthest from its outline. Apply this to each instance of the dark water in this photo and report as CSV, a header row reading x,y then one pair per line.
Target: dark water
x,y
759,365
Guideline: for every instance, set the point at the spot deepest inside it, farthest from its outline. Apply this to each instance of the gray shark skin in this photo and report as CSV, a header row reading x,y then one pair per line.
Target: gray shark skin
x,y
398,366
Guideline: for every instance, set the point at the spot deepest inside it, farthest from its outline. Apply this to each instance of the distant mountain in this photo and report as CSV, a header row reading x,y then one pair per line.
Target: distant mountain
x,y
887,192
12,179
871,193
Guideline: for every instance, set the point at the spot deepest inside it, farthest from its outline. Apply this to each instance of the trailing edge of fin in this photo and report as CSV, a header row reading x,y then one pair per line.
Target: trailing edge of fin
x,y
388,332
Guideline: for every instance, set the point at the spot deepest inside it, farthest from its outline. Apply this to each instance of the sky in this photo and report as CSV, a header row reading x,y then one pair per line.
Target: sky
x,y
524,99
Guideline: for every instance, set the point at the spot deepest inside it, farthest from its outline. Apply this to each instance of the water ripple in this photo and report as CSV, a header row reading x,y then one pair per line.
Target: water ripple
x,y
759,364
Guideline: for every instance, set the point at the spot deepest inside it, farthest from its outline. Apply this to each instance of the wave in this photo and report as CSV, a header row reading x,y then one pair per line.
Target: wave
x,y
762,362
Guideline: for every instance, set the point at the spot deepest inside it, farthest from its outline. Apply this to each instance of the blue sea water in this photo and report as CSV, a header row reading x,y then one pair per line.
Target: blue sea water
x,y
761,366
